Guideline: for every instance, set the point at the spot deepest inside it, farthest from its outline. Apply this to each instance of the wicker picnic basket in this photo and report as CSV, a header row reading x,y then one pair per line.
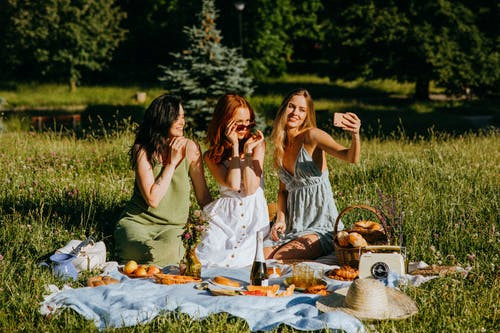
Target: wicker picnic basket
x,y
350,255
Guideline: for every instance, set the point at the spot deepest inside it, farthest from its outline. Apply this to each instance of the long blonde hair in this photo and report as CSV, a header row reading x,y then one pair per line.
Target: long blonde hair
x,y
278,135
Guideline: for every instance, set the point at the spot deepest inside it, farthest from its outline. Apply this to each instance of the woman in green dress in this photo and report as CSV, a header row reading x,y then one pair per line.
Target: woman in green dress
x,y
164,162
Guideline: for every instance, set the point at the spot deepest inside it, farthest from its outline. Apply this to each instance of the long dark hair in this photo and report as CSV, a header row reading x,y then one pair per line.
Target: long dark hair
x,y
152,133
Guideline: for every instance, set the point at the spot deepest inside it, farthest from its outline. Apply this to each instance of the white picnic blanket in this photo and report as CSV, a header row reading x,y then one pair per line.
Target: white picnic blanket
x,y
138,301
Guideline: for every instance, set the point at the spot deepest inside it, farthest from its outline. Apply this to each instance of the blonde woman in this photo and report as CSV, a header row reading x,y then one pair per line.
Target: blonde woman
x,y
306,208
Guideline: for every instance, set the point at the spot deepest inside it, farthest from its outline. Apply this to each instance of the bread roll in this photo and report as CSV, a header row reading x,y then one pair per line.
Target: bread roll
x,y
96,281
343,238
226,282
356,240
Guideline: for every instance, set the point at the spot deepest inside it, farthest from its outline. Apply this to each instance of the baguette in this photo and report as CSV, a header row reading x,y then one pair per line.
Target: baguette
x,y
226,281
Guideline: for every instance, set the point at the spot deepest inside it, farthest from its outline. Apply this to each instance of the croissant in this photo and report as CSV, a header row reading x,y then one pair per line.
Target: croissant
x,y
344,273
364,227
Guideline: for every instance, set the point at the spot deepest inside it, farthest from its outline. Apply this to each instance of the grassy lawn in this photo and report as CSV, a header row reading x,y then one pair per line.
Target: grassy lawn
x,y
55,187
385,106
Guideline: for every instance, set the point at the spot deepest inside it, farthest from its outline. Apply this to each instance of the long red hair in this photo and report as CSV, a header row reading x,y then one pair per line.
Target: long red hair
x,y
219,145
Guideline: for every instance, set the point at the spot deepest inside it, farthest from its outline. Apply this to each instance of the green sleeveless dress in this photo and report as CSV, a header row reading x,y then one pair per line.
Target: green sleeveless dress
x,y
152,235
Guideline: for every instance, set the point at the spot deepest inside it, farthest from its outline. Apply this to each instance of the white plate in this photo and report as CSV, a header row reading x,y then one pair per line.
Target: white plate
x,y
222,286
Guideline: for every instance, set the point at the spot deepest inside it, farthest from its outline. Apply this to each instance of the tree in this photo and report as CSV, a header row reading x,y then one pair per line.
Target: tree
x,y
278,28
206,70
63,37
412,40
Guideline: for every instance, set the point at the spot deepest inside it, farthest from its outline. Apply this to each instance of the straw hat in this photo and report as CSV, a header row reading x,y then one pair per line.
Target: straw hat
x,y
369,299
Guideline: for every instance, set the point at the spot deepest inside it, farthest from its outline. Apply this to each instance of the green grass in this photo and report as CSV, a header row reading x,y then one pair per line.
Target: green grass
x,y
55,187
30,95
442,170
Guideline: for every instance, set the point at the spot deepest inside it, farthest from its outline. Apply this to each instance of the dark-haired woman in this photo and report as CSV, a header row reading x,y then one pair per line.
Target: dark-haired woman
x,y
164,162
235,158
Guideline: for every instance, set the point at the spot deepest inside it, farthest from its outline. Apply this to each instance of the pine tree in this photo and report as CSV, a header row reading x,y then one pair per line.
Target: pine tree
x,y
206,70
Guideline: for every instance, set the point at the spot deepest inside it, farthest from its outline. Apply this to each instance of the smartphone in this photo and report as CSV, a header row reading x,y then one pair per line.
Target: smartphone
x,y
337,119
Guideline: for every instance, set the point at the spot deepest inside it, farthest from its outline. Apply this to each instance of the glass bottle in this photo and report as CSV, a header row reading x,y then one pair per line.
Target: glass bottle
x,y
258,275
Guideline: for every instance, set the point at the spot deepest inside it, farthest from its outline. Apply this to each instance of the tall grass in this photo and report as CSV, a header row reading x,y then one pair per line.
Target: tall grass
x,y
55,187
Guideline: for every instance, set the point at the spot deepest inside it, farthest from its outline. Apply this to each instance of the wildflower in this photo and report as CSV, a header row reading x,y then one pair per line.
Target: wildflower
x,y
187,235
471,257
1,257
197,213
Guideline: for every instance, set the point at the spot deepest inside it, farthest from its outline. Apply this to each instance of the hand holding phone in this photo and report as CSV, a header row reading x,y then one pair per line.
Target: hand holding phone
x,y
349,122
337,119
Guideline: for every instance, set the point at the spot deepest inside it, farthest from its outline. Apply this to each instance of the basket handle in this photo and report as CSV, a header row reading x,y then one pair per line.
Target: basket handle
x,y
371,209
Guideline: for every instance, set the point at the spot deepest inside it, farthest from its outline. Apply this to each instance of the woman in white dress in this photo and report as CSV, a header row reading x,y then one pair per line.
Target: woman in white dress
x,y
236,160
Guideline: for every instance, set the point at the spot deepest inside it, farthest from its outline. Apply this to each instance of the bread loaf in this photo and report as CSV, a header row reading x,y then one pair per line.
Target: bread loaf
x,y
343,238
356,240
226,281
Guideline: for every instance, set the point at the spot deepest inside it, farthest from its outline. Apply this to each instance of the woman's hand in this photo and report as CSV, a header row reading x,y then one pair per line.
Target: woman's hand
x,y
253,142
351,123
177,150
231,134
278,228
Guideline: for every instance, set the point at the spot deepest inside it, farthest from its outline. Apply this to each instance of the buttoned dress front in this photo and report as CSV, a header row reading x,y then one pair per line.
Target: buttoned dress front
x,y
234,220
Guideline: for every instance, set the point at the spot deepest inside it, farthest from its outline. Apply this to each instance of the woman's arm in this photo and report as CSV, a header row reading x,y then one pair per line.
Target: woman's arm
x,y
230,176
153,190
255,149
197,174
316,137
280,225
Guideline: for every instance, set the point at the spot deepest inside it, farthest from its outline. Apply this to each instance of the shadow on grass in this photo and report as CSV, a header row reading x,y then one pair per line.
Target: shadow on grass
x,y
320,90
93,216
382,115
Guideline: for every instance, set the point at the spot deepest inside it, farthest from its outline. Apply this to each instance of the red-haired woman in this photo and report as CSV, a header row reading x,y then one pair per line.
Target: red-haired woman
x,y
236,159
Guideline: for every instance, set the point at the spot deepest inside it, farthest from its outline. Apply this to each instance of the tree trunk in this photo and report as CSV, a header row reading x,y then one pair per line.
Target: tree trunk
x,y
72,85
422,88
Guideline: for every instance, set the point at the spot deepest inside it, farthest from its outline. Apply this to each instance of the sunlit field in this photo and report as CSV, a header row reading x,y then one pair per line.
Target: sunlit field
x,y
57,186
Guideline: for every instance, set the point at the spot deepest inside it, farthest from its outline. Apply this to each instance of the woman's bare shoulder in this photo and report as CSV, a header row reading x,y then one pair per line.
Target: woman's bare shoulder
x,y
193,151
312,134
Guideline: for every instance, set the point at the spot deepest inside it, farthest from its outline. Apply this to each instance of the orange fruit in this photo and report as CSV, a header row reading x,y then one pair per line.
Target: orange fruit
x,y
130,267
141,271
153,270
